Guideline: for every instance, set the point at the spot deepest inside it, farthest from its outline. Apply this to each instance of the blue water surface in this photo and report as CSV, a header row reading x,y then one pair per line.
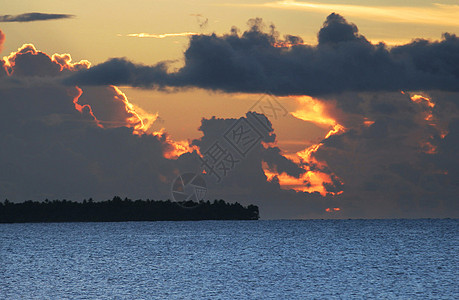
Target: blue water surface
x,y
314,259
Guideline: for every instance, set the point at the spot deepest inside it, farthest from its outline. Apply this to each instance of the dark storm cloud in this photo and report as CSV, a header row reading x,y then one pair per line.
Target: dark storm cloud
x,y
337,30
119,71
56,152
252,61
29,63
51,150
32,17
402,165
247,183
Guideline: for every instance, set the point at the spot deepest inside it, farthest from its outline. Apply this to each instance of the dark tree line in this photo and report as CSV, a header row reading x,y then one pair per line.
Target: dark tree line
x,y
117,210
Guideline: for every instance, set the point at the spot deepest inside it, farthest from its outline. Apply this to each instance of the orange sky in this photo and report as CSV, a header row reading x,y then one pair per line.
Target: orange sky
x,y
148,32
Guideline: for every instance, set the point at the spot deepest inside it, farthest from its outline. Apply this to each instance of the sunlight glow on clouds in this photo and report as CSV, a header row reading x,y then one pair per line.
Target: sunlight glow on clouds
x,y
314,111
387,153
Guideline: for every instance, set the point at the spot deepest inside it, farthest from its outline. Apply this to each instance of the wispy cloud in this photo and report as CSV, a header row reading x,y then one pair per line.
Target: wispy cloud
x,y
32,17
437,14
159,36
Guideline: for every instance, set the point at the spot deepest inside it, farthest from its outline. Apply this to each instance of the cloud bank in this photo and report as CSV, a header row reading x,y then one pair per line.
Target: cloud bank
x,y
256,61
391,150
70,142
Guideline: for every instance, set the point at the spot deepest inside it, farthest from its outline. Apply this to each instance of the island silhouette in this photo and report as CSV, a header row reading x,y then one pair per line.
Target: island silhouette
x,y
122,210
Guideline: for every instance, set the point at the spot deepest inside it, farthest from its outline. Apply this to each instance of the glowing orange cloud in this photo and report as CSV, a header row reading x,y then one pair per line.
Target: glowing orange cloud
x,y
422,99
307,155
426,145
64,61
130,115
332,209
175,148
367,123
286,44
80,108
9,61
178,148
139,120
312,180
313,110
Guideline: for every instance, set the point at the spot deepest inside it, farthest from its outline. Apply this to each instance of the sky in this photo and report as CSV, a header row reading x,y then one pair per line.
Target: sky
x,y
308,109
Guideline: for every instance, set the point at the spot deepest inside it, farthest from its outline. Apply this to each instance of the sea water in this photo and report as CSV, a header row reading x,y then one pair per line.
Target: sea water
x,y
314,259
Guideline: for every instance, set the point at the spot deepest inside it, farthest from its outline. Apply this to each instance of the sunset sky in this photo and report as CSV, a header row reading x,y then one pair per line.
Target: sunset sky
x,y
104,98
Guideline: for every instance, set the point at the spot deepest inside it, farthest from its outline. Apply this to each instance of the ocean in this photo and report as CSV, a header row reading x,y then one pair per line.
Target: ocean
x,y
310,259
